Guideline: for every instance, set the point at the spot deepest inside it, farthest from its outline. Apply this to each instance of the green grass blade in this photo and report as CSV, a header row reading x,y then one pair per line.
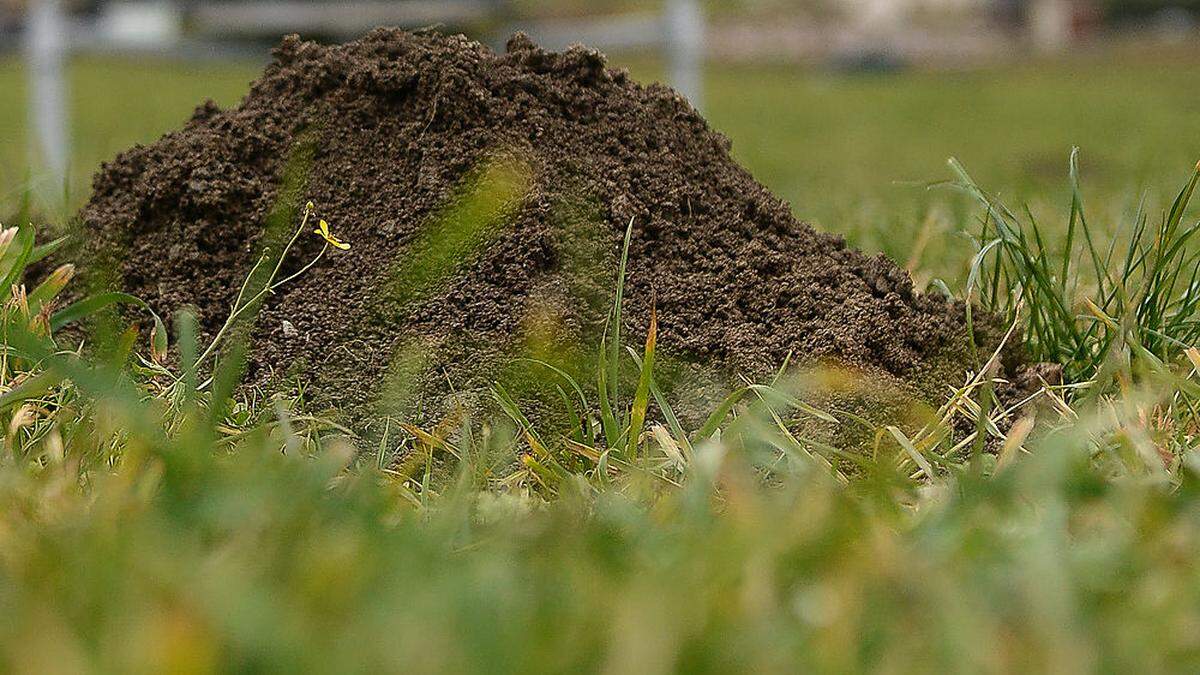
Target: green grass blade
x,y
717,417
641,398
43,251
614,351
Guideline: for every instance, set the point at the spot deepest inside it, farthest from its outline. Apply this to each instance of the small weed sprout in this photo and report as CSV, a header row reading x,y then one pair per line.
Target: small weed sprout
x,y
183,384
242,304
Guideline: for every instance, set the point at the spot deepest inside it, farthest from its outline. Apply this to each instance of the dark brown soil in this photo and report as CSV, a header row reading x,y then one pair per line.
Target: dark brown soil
x,y
396,122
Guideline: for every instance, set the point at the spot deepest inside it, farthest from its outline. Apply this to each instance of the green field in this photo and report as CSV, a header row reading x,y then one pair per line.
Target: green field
x,y
151,521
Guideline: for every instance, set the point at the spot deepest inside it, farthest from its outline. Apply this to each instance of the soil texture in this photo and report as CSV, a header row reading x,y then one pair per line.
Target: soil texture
x,y
391,135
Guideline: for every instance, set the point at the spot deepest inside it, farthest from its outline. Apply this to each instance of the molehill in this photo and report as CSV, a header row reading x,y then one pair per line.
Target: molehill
x,y
389,130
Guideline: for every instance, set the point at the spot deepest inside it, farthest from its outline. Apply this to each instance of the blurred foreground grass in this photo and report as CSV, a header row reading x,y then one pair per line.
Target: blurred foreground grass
x,y
185,557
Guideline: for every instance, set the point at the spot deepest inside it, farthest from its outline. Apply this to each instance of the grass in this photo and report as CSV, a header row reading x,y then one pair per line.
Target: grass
x,y
150,528
853,153
139,537
150,523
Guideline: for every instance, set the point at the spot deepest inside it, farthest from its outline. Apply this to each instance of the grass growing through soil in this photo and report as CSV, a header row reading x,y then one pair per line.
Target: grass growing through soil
x,y
145,530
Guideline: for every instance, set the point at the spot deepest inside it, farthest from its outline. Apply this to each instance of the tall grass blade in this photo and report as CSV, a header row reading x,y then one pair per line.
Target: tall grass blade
x,y
641,398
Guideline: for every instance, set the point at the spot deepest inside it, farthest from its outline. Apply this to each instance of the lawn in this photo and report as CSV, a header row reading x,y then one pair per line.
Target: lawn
x,y
150,522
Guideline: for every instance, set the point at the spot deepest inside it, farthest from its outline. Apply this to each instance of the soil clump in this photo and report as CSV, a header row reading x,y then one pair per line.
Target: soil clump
x,y
397,138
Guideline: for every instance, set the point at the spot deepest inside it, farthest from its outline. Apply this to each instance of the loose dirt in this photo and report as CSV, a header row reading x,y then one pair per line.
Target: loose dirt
x,y
395,126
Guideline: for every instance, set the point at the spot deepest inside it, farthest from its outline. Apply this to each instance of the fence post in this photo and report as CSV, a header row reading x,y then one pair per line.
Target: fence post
x,y
685,44
45,54
1050,24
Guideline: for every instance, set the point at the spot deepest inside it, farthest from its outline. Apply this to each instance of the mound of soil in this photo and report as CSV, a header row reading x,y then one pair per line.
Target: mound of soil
x,y
396,124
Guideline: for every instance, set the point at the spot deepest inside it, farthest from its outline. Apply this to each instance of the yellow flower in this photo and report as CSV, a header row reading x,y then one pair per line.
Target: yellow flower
x,y
323,230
